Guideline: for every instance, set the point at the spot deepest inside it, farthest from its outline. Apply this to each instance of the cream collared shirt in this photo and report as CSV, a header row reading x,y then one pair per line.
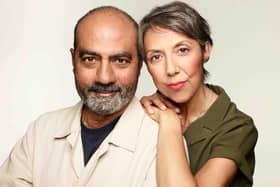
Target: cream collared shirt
x,y
50,153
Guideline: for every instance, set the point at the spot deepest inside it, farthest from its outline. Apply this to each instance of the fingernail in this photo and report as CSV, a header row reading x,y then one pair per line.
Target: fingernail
x,y
163,107
151,111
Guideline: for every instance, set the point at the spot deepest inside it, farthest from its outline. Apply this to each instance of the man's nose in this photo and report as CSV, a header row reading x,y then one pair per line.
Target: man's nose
x,y
105,73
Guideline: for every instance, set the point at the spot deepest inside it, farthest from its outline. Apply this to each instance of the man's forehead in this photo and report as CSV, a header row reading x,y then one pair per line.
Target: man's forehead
x,y
110,29
107,32
107,17
106,37
107,40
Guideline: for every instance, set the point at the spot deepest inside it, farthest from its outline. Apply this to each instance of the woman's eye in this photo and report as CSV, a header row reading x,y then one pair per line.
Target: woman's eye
x,y
183,50
155,58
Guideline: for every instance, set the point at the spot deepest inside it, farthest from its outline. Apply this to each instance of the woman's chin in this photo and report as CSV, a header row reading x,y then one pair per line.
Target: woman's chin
x,y
178,99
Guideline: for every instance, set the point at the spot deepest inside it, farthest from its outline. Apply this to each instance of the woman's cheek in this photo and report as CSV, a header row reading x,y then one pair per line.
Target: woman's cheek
x,y
191,67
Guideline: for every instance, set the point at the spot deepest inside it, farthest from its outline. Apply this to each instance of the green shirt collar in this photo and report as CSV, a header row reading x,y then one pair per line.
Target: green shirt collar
x,y
200,128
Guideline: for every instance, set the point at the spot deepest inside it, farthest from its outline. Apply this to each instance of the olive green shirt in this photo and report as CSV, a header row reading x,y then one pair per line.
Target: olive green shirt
x,y
223,131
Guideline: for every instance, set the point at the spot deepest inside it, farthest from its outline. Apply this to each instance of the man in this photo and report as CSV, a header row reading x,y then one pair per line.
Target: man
x,y
105,140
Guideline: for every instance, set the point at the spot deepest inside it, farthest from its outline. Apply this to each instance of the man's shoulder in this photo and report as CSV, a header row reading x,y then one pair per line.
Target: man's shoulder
x,y
135,119
62,113
150,125
135,112
148,129
57,121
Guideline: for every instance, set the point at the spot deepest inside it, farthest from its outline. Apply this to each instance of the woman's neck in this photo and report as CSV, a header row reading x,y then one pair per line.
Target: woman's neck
x,y
197,106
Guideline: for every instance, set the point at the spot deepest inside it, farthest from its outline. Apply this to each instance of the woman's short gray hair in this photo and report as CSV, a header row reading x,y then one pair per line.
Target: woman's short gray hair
x,y
181,18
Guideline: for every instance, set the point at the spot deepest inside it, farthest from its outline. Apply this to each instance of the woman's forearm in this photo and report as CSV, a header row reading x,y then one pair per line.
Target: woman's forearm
x,y
172,166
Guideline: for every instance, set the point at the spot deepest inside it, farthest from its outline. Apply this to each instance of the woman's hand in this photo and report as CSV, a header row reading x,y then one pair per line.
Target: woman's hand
x,y
167,119
163,111
157,100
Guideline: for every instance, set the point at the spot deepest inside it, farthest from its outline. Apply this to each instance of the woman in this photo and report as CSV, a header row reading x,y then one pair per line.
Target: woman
x,y
221,139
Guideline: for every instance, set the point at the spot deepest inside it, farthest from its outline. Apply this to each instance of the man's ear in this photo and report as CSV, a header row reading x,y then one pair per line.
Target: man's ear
x,y
72,51
207,51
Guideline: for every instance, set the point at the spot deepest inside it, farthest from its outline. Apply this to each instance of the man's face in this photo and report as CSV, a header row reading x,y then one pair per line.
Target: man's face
x,y
105,62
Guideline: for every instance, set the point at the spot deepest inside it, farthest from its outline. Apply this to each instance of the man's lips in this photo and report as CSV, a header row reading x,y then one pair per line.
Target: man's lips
x,y
105,93
177,85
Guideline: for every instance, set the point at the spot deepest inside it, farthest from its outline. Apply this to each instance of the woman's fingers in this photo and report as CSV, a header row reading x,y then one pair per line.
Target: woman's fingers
x,y
169,105
153,100
147,104
159,101
156,113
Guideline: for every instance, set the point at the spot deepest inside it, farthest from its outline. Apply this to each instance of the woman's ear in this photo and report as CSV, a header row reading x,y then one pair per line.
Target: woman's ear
x,y
207,51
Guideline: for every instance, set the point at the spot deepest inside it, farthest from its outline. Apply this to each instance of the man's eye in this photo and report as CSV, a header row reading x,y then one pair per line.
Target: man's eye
x,y
121,61
89,59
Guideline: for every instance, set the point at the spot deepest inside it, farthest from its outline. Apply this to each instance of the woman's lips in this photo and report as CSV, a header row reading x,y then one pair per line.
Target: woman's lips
x,y
177,85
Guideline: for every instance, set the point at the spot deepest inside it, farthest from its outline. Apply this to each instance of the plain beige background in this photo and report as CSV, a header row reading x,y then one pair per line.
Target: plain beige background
x,y
36,73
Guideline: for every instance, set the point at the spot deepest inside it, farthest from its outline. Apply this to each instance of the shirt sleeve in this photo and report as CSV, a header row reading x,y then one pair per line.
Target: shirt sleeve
x,y
17,169
236,140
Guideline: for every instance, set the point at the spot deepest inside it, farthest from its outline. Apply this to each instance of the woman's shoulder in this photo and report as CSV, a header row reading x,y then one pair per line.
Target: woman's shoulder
x,y
227,123
228,111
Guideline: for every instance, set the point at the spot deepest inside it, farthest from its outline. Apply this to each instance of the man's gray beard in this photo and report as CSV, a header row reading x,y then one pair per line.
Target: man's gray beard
x,y
106,105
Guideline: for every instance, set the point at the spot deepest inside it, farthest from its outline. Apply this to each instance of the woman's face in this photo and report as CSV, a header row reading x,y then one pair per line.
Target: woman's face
x,y
175,62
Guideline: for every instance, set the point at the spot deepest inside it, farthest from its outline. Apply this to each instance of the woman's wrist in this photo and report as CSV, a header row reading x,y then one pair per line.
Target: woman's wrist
x,y
169,125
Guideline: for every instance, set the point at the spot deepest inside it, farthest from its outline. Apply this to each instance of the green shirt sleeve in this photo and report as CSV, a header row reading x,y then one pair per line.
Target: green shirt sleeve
x,y
236,140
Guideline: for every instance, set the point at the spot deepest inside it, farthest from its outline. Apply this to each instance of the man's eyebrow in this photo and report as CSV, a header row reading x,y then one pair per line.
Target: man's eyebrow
x,y
121,55
83,52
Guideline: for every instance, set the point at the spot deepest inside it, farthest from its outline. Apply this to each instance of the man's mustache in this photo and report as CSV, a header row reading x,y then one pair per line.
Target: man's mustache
x,y
104,88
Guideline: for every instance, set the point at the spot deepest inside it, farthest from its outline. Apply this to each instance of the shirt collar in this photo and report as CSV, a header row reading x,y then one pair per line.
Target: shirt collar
x,y
69,121
125,133
200,128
